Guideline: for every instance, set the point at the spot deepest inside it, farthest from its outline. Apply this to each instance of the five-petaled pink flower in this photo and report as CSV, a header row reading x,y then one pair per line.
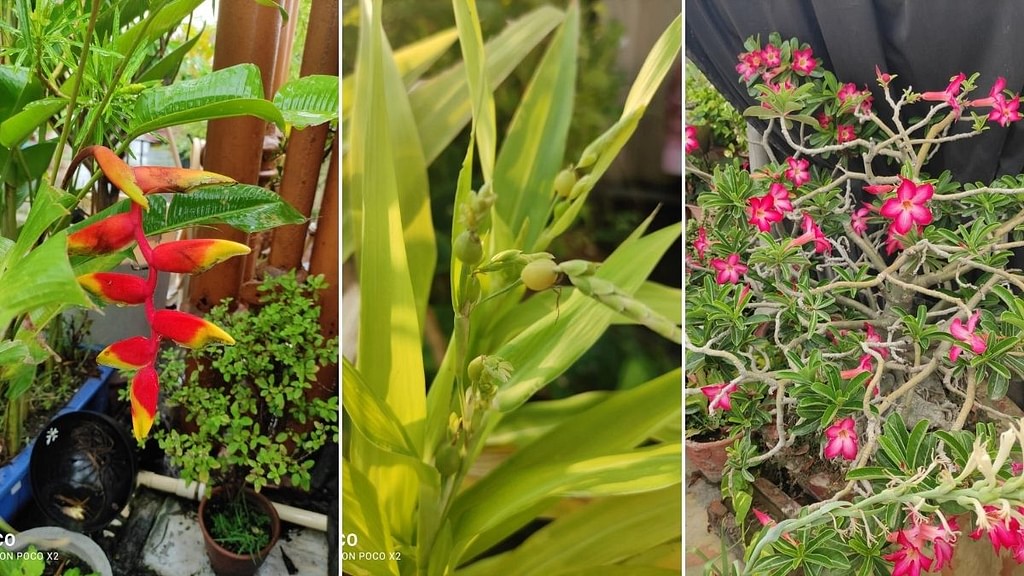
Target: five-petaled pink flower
x,y
845,133
692,145
842,439
771,55
701,243
949,94
910,559
864,365
718,396
846,91
798,172
821,243
872,336
1005,111
729,270
762,212
824,120
803,61
908,207
780,196
859,220
977,342
1003,529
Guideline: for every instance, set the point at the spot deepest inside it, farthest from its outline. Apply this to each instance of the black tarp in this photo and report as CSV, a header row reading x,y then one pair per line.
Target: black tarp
x,y
924,42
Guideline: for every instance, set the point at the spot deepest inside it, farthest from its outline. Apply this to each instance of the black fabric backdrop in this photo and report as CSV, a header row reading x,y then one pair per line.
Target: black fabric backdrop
x,y
924,42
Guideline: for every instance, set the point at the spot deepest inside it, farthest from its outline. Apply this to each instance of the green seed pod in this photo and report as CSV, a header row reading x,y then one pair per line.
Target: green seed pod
x,y
560,209
564,182
583,184
540,275
475,368
448,460
467,248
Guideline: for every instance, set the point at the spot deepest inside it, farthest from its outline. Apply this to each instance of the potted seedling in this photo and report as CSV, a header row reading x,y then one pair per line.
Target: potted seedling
x,y
250,421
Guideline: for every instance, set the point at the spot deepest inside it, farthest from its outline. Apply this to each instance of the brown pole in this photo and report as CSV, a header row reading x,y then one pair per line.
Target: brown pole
x,y
284,50
305,148
324,260
246,32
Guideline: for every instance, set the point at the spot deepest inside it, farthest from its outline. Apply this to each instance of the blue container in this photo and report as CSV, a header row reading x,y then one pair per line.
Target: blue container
x,y
15,489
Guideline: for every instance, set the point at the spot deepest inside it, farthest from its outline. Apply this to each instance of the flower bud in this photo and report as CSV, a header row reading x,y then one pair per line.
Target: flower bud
x,y
194,256
467,248
119,173
104,236
128,354
188,330
153,179
564,182
540,274
113,288
144,392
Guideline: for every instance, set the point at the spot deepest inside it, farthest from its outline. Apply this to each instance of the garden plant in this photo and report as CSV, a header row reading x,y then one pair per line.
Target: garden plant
x,y
845,303
421,494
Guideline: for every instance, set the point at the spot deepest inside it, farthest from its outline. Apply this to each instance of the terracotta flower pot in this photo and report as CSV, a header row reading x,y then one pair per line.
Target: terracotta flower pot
x,y
226,562
708,457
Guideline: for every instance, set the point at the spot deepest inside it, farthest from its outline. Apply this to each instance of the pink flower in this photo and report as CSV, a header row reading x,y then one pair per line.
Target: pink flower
x,y
908,207
1003,112
1003,531
751,64
908,560
842,439
883,78
845,133
997,91
864,365
1017,468
824,120
763,518
701,243
771,55
879,188
859,220
892,243
872,336
692,145
762,212
978,342
865,105
798,172
821,243
780,196
745,70
949,94
849,89
729,270
718,396
803,61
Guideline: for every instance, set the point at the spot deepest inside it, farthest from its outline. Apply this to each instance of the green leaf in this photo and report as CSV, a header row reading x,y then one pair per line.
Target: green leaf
x,y
868,473
308,101
18,87
166,20
471,42
371,415
657,64
19,126
534,419
165,69
667,301
41,278
362,517
233,91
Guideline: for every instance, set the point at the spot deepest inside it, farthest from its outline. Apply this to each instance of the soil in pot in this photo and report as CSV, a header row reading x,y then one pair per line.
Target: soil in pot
x,y
708,456
239,531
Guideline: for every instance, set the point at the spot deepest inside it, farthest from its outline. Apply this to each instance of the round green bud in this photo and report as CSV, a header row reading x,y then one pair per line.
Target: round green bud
x,y
475,368
540,275
564,182
467,248
448,461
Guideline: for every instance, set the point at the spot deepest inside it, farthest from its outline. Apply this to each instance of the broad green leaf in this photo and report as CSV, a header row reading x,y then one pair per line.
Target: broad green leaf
x,y
18,87
309,100
19,126
533,150
597,536
234,91
371,416
543,351
361,516
442,105
167,67
46,210
533,419
390,354
243,206
41,278
166,20
12,352
471,42
665,300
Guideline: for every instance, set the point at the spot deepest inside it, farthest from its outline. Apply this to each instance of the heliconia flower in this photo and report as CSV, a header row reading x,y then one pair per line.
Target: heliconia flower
x,y
978,342
824,120
103,236
692,145
864,365
949,94
729,270
194,256
771,55
762,212
877,189
780,197
113,288
128,354
872,336
845,133
883,78
119,173
908,560
859,220
154,179
188,330
803,61
701,244
718,396
846,91
1002,529
144,392
908,207
798,172
842,439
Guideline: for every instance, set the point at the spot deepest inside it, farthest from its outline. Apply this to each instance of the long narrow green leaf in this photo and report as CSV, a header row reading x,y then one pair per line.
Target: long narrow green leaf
x,y
442,104
361,517
390,354
309,100
534,419
371,416
167,19
46,210
471,41
532,152
19,126
657,64
167,67
665,300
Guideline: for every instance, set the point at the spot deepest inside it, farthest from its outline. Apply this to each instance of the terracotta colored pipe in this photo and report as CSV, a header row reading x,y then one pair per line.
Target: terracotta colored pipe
x,y
304,151
324,260
282,69
246,32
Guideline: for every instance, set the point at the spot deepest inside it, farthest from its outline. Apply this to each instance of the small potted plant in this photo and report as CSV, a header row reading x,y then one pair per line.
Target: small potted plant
x,y
251,419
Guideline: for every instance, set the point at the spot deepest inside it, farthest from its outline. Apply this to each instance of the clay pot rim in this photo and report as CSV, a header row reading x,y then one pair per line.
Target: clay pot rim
x,y
252,495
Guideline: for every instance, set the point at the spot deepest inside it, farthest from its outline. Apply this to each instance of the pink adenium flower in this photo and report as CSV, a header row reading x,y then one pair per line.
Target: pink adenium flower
x,y
892,243
872,336
908,560
751,64
1017,468
908,207
767,520
729,270
762,212
845,133
847,91
913,541
824,120
771,55
883,78
718,396
692,145
1002,529
803,61
865,364
821,243
701,244
798,172
859,220
977,342
745,70
780,196
949,94
1005,111
842,439
877,189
